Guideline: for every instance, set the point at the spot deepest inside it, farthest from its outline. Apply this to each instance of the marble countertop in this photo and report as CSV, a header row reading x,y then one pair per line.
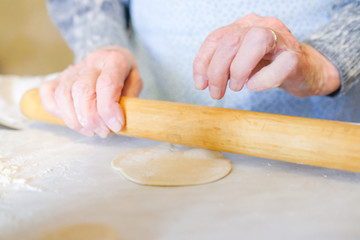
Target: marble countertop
x,y
52,177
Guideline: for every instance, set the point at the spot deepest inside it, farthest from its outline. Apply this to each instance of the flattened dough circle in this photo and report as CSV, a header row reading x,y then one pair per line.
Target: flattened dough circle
x,y
172,165
82,232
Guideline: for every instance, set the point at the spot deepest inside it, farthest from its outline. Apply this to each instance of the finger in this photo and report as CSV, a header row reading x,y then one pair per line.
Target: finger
x,y
47,96
84,96
219,67
256,44
109,88
133,84
263,63
64,100
274,74
204,56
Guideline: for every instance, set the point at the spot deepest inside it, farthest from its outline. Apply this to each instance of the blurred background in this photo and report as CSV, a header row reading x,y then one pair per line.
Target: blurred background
x,y
29,43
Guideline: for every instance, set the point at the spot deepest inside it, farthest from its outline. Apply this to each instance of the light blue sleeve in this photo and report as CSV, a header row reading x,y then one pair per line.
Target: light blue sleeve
x,y
88,25
339,41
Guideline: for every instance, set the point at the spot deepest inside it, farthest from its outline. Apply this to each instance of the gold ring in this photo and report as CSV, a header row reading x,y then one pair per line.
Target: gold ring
x,y
275,39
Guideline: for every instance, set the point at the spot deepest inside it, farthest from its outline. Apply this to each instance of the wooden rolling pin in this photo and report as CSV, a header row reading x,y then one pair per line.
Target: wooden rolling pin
x,y
314,142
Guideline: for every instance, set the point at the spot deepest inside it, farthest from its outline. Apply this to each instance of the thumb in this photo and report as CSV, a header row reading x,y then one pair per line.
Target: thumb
x,y
133,84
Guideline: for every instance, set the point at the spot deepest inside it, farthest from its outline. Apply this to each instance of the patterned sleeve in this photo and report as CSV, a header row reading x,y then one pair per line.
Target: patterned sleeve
x,y
88,25
339,41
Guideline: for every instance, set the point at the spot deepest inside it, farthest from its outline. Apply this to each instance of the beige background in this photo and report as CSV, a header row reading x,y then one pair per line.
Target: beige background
x,y
29,43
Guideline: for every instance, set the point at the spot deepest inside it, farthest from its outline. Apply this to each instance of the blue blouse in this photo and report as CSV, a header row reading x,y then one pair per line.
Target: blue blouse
x,y
166,35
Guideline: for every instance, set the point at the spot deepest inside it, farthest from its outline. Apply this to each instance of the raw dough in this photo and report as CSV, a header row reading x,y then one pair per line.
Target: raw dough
x,y
172,165
82,232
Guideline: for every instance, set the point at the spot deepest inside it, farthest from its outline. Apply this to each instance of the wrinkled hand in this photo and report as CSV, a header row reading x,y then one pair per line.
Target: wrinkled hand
x,y
86,95
246,52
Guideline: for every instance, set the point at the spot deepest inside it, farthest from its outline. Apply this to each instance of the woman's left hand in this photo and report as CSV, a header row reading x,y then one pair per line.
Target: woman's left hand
x,y
262,53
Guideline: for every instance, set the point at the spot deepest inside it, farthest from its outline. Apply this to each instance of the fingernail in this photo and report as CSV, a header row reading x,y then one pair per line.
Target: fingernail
x,y
115,124
215,92
251,84
86,132
83,121
102,132
235,85
199,82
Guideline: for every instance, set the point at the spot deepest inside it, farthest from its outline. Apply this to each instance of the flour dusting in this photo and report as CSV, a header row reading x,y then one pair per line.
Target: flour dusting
x,y
11,177
23,162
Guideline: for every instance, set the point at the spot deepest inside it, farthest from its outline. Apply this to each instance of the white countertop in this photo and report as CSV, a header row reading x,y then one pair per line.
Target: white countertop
x,y
51,177
61,178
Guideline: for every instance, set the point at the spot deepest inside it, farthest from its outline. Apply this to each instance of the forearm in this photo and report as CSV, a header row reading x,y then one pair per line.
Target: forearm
x,y
89,25
338,41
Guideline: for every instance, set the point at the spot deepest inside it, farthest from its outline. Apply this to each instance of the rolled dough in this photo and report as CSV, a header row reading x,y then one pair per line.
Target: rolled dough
x,y
82,232
172,165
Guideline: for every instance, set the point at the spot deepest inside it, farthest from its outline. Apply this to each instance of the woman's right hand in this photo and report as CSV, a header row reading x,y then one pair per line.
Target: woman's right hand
x,y
86,95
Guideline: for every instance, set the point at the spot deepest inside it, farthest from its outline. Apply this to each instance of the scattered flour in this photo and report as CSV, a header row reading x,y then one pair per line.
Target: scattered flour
x,y
11,177
23,162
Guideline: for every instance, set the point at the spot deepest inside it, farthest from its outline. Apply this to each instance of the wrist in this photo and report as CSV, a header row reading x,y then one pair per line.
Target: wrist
x,y
125,51
321,72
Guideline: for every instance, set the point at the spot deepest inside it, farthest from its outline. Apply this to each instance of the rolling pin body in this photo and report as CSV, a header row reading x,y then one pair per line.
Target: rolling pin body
x,y
314,142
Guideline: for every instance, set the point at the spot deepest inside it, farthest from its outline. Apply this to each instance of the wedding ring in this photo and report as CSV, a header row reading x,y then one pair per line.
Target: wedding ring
x,y
275,39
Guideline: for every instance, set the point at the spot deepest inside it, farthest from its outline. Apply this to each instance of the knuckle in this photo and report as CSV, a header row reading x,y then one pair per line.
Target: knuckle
x,y
89,56
70,68
83,91
273,20
276,23
46,87
94,54
60,93
67,70
230,39
106,81
260,36
118,58
251,16
215,36
109,84
94,58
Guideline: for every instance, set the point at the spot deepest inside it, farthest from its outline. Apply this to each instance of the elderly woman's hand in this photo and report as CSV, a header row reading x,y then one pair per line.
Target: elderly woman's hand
x,y
86,95
262,53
